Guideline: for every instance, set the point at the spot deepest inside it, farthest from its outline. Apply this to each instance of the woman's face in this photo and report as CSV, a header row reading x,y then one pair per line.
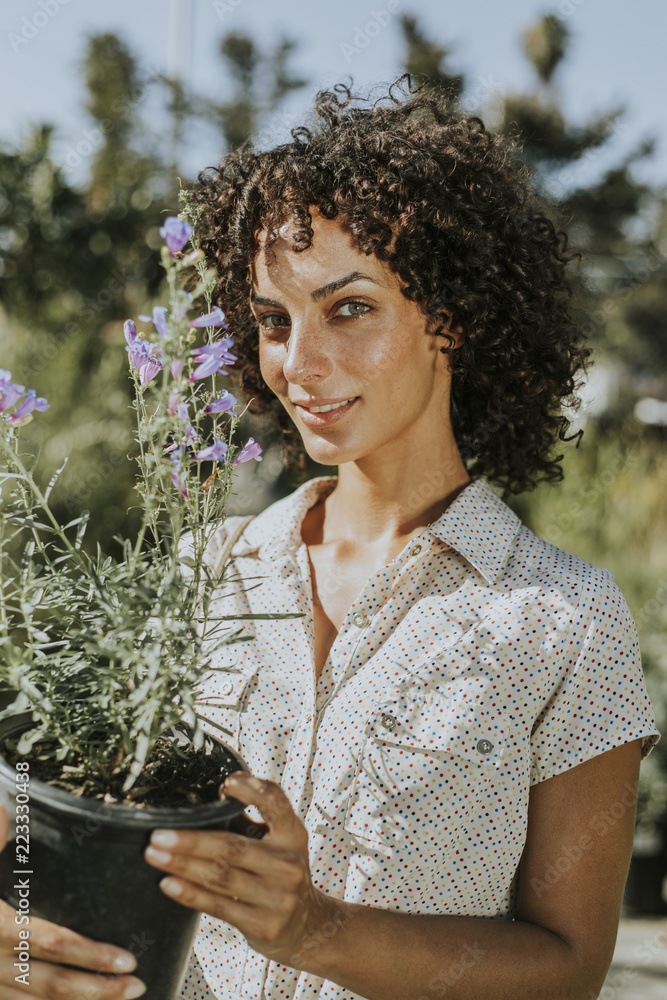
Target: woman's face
x,y
334,326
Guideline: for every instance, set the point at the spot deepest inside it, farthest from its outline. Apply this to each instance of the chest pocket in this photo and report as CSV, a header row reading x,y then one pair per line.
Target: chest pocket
x,y
429,765
222,701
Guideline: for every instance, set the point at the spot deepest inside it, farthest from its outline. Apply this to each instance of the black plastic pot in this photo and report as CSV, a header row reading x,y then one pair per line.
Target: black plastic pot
x,y
86,869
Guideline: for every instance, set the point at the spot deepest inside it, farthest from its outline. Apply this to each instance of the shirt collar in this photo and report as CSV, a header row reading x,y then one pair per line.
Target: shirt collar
x,y
477,524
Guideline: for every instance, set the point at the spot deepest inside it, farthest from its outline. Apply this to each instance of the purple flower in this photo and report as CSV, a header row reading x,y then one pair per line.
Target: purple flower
x,y
183,414
211,357
145,358
176,233
10,391
23,413
176,458
130,331
222,403
138,351
176,367
158,320
249,450
214,318
150,369
172,404
214,453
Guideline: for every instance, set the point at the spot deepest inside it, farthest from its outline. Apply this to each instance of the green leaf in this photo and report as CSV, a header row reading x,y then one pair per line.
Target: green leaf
x,y
29,738
216,725
272,616
54,478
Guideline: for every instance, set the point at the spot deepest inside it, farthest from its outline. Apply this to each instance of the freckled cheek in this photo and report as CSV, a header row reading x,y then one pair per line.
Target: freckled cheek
x,y
385,362
271,368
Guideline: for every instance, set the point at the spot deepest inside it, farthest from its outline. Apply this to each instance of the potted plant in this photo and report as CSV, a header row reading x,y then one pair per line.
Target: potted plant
x,y
107,655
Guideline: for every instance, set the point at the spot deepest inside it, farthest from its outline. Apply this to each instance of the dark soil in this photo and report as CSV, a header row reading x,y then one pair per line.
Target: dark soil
x,y
175,774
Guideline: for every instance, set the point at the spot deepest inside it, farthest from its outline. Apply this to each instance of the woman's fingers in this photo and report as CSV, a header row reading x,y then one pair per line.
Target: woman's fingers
x,y
46,981
51,949
53,943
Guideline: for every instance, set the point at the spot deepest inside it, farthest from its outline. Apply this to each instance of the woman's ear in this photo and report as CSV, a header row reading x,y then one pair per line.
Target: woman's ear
x,y
456,333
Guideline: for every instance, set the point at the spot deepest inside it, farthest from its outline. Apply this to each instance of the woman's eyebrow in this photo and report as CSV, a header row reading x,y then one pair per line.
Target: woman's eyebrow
x,y
319,293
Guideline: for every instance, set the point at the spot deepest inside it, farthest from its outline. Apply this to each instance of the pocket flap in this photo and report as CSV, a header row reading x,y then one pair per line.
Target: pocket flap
x,y
435,723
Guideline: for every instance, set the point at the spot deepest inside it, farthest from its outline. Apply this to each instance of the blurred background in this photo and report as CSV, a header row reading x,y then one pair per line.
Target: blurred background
x,y
107,108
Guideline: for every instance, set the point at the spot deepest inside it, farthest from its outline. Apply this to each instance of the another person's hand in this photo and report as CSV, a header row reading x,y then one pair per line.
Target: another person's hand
x,y
51,949
263,887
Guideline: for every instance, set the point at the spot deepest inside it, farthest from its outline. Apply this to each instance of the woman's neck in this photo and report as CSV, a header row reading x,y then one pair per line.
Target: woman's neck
x,y
382,510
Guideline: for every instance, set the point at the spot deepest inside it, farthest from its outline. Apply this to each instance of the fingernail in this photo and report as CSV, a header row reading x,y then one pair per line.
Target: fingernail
x,y
124,963
171,886
135,989
164,838
160,857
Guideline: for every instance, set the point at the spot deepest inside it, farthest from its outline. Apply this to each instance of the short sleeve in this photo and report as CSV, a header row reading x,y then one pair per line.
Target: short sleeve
x,y
599,700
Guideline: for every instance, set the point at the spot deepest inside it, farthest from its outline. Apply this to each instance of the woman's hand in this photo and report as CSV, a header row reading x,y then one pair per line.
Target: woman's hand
x,y
263,886
51,948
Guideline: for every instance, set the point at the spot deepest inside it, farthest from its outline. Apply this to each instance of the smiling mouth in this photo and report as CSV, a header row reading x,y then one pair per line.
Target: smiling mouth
x,y
328,413
330,406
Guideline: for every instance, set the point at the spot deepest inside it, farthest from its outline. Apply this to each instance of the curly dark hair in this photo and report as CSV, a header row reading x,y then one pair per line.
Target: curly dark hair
x,y
450,207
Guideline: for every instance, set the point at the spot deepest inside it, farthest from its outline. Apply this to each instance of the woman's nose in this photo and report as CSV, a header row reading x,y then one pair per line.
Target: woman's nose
x,y
306,356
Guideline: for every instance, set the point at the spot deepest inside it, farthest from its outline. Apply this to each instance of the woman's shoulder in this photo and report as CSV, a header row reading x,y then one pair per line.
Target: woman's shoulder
x,y
536,562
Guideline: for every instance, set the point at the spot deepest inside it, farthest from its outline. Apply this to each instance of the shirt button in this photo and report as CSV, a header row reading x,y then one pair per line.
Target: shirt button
x,y
415,550
360,620
485,746
226,687
388,721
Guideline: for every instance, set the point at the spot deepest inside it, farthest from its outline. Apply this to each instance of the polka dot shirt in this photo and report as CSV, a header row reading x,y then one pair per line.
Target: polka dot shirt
x,y
480,661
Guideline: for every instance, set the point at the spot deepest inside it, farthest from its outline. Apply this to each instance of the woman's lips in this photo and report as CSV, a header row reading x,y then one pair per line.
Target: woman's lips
x,y
324,419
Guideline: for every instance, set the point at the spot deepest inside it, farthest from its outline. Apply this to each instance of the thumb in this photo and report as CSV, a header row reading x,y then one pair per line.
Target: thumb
x,y
243,824
269,798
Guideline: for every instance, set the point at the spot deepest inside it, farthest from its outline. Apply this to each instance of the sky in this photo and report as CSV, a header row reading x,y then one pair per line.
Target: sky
x,y
616,57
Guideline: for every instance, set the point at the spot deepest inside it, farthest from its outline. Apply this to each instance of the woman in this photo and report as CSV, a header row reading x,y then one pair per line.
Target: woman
x,y
444,749
454,729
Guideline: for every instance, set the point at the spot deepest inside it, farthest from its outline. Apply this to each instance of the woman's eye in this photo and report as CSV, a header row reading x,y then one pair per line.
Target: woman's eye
x,y
355,304
264,320
267,321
